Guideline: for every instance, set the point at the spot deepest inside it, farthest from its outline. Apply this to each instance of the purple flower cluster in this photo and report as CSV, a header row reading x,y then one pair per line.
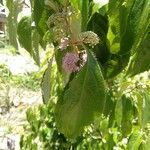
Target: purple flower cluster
x,y
70,62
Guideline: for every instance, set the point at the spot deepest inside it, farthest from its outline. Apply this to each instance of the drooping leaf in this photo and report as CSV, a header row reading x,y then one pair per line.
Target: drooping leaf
x,y
113,63
140,60
24,33
46,83
127,35
84,98
127,115
124,114
137,27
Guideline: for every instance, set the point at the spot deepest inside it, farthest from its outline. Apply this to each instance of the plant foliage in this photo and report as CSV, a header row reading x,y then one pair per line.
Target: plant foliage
x,y
97,46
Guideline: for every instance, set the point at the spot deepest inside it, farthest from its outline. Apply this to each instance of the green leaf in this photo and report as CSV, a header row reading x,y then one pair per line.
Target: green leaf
x,y
40,14
124,114
59,57
33,119
109,104
84,99
35,46
134,141
48,37
138,106
114,26
118,112
14,10
129,22
136,29
46,83
146,109
99,25
53,4
146,145
127,115
29,38
84,14
98,4
24,33
76,3
140,60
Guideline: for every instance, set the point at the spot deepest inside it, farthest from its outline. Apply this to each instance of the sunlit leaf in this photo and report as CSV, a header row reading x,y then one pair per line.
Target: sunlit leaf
x,y
46,83
134,141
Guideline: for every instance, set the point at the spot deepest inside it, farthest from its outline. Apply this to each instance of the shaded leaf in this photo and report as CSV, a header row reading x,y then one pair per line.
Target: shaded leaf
x,y
99,25
140,60
40,14
24,33
136,29
124,114
127,115
109,104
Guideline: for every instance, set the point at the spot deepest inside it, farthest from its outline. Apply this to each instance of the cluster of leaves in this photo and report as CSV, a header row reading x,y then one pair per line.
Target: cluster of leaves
x,y
124,125
123,27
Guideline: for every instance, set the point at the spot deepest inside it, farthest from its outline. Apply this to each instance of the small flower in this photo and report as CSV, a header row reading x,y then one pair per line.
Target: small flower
x,y
64,43
89,37
70,62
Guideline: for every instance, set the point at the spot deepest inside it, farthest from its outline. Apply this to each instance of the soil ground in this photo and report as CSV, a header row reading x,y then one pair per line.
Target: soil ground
x,y
15,100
